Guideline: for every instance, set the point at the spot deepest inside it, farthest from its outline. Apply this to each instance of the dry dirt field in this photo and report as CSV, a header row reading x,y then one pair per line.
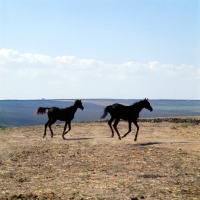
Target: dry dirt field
x,y
163,164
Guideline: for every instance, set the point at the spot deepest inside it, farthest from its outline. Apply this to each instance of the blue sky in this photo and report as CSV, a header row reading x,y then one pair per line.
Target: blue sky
x,y
99,49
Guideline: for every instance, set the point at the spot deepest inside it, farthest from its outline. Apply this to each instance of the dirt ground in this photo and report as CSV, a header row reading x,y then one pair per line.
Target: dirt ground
x,y
163,164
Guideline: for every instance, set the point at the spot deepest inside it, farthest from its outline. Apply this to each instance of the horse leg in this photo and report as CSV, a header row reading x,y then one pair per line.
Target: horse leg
x,y
109,123
52,122
129,130
115,127
135,122
69,125
64,128
45,128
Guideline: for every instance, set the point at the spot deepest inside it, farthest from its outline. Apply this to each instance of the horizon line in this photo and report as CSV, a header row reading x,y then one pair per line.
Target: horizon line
x,y
164,99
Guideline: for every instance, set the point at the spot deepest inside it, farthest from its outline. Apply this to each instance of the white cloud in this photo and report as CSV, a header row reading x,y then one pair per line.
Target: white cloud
x,y
96,78
31,73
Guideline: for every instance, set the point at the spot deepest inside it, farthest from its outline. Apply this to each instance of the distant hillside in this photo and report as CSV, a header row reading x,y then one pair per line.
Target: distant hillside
x,y
22,112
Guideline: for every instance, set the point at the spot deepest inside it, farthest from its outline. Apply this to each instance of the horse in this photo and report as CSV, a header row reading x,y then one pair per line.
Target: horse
x,y
62,114
127,113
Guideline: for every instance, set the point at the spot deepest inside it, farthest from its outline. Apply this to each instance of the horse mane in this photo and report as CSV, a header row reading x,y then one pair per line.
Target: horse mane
x,y
76,102
136,103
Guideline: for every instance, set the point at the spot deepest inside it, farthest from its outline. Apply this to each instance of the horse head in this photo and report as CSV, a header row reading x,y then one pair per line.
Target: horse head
x,y
147,105
78,104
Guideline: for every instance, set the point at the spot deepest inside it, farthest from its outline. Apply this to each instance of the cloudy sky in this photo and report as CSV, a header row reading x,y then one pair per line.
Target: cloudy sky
x,y
124,49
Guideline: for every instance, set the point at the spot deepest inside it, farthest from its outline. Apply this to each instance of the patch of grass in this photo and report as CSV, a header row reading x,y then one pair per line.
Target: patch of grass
x,y
145,159
173,127
184,125
114,189
86,175
176,166
99,198
76,192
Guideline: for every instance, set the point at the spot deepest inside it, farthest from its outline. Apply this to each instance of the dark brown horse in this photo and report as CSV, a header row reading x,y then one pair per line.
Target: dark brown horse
x,y
127,113
62,114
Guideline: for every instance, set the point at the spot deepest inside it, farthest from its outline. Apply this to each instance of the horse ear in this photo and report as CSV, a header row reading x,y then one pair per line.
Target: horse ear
x,y
147,99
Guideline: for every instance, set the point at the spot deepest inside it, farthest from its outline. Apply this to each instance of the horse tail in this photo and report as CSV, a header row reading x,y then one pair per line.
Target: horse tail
x,y
106,110
41,110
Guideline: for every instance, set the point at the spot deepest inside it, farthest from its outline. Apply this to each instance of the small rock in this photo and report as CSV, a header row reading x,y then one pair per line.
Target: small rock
x,y
20,196
134,198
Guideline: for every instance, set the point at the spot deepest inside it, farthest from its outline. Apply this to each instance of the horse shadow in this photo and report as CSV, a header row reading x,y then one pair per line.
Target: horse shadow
x,y
149,143
78,139
154,143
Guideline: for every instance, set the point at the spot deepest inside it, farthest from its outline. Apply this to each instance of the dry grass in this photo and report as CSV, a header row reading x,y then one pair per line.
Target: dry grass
x,y
163,164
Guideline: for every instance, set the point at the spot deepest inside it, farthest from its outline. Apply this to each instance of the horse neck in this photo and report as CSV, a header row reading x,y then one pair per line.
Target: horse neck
x,y
74,108
138,107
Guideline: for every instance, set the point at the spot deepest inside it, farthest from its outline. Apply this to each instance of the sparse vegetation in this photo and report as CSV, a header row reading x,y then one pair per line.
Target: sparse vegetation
x,y
163,164
173,127
184,125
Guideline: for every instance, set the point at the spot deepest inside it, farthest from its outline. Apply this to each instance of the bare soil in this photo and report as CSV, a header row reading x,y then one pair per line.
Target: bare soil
x,y
163,164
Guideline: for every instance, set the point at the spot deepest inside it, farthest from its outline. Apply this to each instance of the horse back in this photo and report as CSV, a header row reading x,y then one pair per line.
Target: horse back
x,y
123,112
62,114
